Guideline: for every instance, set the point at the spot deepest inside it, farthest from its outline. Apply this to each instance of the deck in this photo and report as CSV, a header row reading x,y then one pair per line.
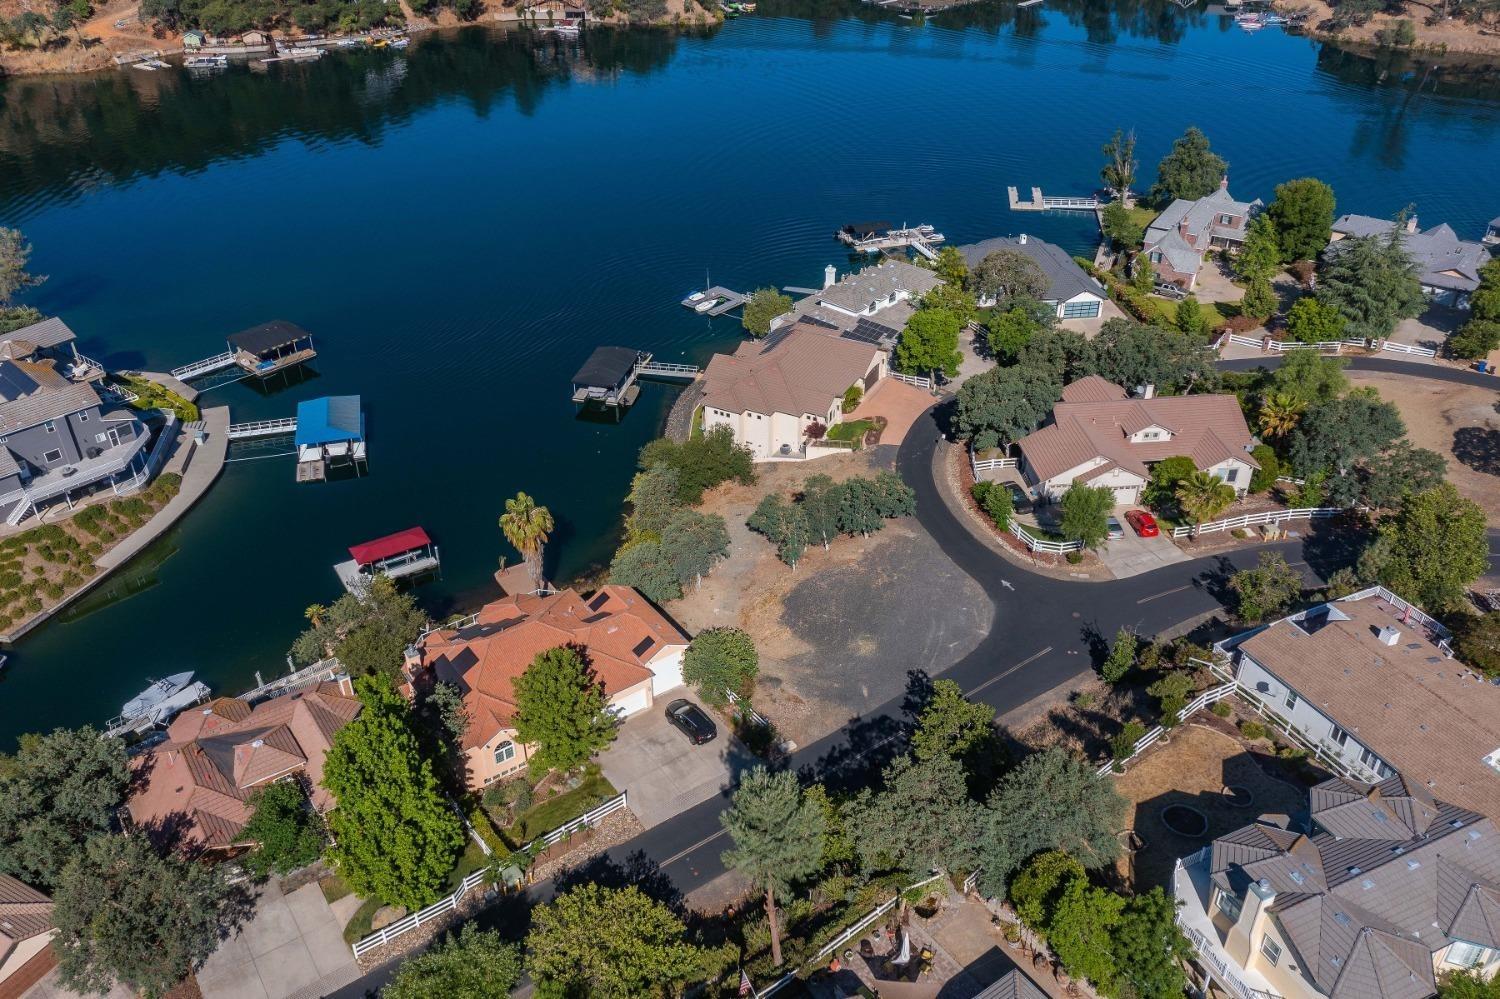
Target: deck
x,y
727,301
920,238
262,428
311,471
264,367
1043,203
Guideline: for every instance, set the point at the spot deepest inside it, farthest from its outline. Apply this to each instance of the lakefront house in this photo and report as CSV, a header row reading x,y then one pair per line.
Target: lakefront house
x,y
1101,436
871,305
634,650
1447,266
1183,235
1071,292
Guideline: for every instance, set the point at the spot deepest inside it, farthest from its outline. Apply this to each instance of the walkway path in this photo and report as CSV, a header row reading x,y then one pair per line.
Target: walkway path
x,y
292,946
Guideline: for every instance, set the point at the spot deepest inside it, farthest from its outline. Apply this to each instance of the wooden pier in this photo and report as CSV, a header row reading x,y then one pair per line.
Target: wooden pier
x,y
1042,203
258,352
609,377
866,238
714,301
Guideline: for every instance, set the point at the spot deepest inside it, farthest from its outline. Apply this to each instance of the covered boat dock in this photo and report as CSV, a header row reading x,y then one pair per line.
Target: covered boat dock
x,y
608,377
330,434
271,347
405,553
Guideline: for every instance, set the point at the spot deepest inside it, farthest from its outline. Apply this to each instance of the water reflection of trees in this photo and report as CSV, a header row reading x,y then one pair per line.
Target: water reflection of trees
x,y
1102,20
66,134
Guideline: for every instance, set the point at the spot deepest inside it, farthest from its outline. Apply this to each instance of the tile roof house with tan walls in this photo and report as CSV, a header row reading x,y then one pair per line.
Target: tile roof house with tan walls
x,y
195,786
634,650
25,935
770,391
1371,683
1100,436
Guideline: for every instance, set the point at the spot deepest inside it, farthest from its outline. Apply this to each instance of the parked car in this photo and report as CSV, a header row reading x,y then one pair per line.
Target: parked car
x,y
1143,522
692,721
1116,532
1167,289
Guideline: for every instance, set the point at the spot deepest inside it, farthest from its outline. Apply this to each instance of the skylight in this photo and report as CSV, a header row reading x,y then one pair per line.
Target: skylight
x,y
1297,877
1367,884
1342,919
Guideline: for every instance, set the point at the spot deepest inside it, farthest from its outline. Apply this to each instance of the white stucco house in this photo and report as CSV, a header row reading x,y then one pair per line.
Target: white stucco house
x,y
1100,436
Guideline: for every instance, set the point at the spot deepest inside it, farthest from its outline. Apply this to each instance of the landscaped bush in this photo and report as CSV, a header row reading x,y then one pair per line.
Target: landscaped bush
x,y
1222,709
995,500
1252,730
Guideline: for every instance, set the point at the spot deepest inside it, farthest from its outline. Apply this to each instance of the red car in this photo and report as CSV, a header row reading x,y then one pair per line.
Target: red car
x,y
1143,522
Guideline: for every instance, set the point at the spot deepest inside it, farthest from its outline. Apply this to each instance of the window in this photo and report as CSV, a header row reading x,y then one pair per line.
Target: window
x,y
1291,699
83,417
48,457
1270,950
1339,736
1228,220
504,752
1229,905
1231,474
101,438
1369,759
1156,256
1086,309
1466,955
50,427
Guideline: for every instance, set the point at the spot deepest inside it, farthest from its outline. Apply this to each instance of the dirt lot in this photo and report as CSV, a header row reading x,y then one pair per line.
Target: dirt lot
x,y
1459,422
838,635
1192,770
1450,35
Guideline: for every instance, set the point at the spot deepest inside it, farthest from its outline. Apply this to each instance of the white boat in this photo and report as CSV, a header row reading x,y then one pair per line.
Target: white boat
x,y
706,304
400,43
300,52
155,696
206,61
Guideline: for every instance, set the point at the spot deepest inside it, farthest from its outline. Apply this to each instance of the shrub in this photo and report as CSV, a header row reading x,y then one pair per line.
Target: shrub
x,y
852,396
1074,557
1123,744
33,604
1252,730
1221,709
719,660
995,501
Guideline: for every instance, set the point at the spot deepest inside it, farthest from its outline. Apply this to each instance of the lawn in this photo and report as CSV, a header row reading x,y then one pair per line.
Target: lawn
x,y
154,396
1143,217
851,430
550,813
471,860
359,923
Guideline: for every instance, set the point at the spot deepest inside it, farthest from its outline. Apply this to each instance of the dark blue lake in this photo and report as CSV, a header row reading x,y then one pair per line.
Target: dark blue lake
x,y
460,225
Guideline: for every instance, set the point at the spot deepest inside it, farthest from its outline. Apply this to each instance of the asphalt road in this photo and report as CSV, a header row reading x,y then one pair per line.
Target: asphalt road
x,y
1046,631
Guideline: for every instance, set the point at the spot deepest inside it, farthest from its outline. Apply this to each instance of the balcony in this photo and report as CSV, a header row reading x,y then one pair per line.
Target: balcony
x,y
1192,887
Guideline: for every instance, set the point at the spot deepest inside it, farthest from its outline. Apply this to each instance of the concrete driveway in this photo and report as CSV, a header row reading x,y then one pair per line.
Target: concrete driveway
x,y
1133,555
661,772
294,946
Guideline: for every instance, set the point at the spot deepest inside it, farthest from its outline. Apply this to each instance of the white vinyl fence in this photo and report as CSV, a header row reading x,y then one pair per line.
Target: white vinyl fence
x,y
1194,706
1254,519
1041,544
920,381
1402,348
978,464
450,902
1283,346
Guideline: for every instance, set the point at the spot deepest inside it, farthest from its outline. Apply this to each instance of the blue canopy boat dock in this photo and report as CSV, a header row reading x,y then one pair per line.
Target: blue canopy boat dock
x,y
330,434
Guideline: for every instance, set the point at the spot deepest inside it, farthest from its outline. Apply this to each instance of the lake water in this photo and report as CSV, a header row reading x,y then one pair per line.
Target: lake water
x,y
460,225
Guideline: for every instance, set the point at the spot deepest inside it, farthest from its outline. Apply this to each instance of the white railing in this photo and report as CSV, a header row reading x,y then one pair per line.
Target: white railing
x,y
745,707
323,669
440,907
667,370
583,821
1282,346
1243,341
1040,545
204,366
1409,610
262,428
1402,348
920,381
977,464
1197,704
1253,519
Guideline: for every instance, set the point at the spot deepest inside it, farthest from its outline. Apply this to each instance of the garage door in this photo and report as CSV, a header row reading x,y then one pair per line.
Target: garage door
x,y
666,675
631,704
1085,309
1127,495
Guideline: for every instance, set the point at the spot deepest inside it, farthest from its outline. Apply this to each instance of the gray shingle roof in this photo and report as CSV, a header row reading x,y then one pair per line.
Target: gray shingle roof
x,y
45,403
47,333
1202,216
1012,985
1445,261
856,291
1065,279
1367,913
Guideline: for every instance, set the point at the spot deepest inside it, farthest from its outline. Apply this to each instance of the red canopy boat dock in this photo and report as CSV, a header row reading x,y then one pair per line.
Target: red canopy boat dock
x,y
405,553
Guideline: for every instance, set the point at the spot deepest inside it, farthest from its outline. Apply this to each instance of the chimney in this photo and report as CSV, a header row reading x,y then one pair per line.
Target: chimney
x,y
1022,240
1146,391
830,274
1224,182
1388,636
1244,939
1411,224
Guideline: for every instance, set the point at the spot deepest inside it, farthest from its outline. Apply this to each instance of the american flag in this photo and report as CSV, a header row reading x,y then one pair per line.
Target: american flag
x,y
746,989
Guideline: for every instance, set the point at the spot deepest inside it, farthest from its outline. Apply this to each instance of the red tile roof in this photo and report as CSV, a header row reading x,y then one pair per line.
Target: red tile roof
x,y
618,630
198,782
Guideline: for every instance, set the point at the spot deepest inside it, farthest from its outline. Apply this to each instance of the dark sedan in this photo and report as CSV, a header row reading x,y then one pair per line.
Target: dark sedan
x,y
692,720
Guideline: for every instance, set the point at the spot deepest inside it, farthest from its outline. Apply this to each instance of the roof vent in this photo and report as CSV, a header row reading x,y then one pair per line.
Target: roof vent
x,y
1355,870
1022,240
1413,863
1343,920
1457,823
257,743
1297,877
1474,834
1389,635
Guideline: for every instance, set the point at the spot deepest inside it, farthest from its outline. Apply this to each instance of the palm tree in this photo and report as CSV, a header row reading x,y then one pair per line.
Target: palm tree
x,y
527,526
1279,413
1203,496
315,614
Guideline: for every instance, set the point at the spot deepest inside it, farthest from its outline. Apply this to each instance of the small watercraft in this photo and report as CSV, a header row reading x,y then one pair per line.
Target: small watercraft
x,y
206,61
706,304
400,43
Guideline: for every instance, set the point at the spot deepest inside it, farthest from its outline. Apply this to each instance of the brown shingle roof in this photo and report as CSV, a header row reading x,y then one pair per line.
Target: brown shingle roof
x,y
1428,716
24,913
798,370
1206,428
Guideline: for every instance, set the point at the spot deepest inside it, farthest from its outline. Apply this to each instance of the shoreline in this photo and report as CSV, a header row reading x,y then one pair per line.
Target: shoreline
x,y
1452,39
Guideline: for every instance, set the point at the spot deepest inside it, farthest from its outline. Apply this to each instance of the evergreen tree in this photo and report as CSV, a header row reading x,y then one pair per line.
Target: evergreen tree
x,y
1303,213
1260,256
647,568
1081,932
1118,172
395,837
468,964
951,725
1260,300
653,501
1190,316
15,252
921,819
1438,545
1476,340
1121,659
561,708
778,838
952,267
608,943
1372,280
1484,303
1312,321
1190,171
1149,946
693,544
125,913
1037,887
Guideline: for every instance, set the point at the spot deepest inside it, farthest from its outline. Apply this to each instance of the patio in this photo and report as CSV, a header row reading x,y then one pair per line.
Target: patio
x,y
901,405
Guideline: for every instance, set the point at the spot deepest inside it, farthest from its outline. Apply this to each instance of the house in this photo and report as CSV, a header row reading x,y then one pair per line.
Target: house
x,y
871,305
1447,266
58,434
1371,684
1100,436
1071,292
769,392
634,650
25,935
1180,237
195,787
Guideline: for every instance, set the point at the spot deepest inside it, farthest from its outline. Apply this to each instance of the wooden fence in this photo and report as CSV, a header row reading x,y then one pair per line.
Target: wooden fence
x,y
1253,519
468,884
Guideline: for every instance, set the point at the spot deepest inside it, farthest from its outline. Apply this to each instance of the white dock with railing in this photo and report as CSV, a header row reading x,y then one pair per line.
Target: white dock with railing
x,y
197,369
660,369
1044,203
262,428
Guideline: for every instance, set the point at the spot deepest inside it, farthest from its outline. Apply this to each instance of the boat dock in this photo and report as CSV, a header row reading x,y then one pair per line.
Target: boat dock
x,y
262,428
395,556
609,377
330,434
714,301
258,352
1042,203
878,237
